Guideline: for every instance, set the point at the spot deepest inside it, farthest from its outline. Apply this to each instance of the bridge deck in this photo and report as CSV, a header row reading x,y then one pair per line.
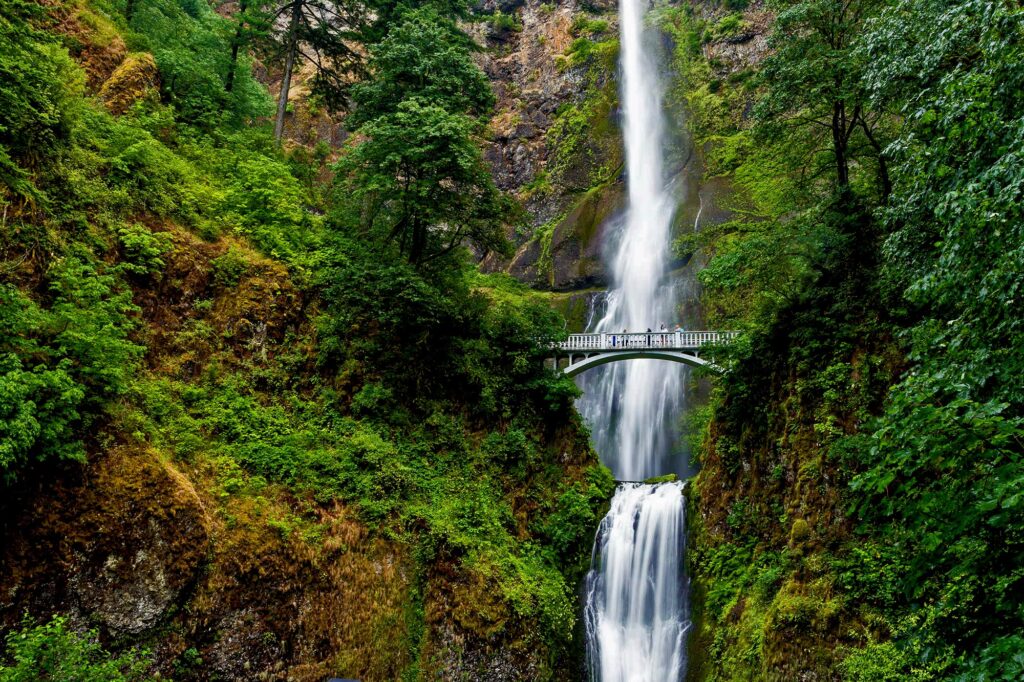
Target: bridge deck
x,y
682,341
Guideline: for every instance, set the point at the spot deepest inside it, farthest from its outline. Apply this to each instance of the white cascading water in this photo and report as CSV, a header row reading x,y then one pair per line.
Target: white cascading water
x,y
632,405
636,612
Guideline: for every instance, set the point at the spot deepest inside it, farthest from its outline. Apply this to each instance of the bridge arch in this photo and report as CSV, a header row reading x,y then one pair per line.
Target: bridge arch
x,y
600,348
598,359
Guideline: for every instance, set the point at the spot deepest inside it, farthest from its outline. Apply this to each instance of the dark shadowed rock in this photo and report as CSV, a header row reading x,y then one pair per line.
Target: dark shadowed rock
x,y
124,545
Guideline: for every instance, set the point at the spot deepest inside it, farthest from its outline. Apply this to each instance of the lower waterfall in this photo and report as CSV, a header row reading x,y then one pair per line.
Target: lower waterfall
x,y
636,610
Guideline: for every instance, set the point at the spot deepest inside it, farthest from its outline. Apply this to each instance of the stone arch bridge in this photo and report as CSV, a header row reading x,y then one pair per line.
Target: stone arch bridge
x,y
581,352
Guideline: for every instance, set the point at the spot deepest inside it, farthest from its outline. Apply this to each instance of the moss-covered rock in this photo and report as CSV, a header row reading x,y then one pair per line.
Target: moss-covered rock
x,y
124,544
135,79
92,39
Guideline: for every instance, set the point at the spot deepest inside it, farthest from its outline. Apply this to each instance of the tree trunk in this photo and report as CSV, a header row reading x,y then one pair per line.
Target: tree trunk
x,y
839,138
883,165
419,241
129,10
236,43
286,82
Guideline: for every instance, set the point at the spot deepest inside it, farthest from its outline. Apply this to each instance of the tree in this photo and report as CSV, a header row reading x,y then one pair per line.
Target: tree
x,y
320,32
417,166
814,84
422,57
251,22
384,15
425,182
943,471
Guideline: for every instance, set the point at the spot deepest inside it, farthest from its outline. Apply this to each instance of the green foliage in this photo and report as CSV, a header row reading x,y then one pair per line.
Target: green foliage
x,y
418,170
584,140
948,448
142,250
37,99
432,190
419,401
192,49
271,205
424,57
60,363
228,270
728,26
584,26
932,139
52,651
382,317
505,23
583,137
572,522
584,50
813,84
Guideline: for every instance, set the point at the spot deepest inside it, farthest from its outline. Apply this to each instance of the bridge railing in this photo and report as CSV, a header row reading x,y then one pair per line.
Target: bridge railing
x,y
610,341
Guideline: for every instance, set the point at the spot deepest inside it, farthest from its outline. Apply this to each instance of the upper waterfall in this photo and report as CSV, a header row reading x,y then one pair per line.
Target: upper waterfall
x,y
632,407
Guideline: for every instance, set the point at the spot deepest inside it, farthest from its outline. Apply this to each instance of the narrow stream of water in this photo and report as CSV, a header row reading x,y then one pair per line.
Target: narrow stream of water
x,y
636,611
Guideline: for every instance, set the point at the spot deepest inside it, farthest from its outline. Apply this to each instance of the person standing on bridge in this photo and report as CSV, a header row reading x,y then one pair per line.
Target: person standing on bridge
x,y
663,340
625,340
649,337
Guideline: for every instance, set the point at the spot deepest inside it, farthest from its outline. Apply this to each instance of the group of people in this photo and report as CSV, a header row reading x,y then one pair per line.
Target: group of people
x,y
648,339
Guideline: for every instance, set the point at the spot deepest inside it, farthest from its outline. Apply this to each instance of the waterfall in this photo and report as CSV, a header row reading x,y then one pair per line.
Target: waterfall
x,y
635,613
632,405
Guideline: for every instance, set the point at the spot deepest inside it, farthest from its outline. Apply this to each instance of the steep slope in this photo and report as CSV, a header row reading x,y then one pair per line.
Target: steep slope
x,y
238,436
855,516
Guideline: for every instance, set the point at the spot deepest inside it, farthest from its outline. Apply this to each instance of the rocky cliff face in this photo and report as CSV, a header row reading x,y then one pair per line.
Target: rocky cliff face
x,y
554,141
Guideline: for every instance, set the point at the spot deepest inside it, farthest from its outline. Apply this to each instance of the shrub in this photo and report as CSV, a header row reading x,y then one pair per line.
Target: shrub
x,y
506,23
141,250
52,651
60,365
38,98
229,268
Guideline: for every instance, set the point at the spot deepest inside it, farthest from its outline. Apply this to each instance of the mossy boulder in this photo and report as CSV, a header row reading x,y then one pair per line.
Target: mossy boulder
x,y
134,80
125,543
92,40
799,534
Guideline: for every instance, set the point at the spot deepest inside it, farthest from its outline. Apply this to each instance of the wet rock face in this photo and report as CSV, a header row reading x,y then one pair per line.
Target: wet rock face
x,y
734,53
554,174
132,587
530,85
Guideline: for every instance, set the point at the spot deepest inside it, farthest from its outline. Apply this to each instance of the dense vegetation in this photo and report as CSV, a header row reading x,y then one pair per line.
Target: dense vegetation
x,y
863,467
281,352
296,330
